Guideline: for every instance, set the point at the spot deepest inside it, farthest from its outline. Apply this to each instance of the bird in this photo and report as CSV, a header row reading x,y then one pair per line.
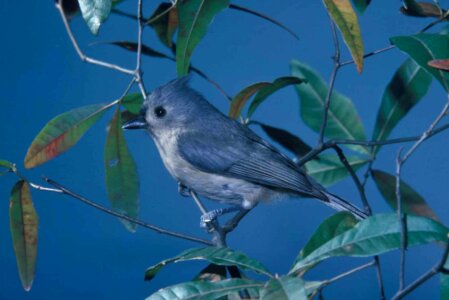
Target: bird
x,y
220,158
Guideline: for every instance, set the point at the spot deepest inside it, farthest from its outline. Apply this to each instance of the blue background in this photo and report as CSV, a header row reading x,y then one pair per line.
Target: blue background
x,y
84,253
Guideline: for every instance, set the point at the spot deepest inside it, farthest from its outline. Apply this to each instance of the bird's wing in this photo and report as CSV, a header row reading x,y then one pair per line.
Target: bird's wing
x,y
242,154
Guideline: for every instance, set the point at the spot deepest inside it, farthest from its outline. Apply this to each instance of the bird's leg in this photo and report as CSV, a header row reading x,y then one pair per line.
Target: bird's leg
x,y
183,190
212,215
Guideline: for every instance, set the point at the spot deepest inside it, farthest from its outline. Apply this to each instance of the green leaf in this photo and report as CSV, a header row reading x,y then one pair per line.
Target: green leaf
x,y
268,90
444,284
133,102
203,290
194,18
440,64
361,5
6,164
343,14
423,48
218,256
95,12
286,139
374,236
239,101
165,26
409,84
23,223
328,169
412,202
62,132
343,120
330,228
122,181
284,288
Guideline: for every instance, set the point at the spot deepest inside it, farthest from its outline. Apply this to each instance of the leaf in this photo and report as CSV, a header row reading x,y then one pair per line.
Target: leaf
x,y
212,273
95,12
420,9
23,223
343,14
361,5
286,139
122,181
203,290
284,288
165,26
444,284
194,18
423,48
409,84
328,169
239,101
343,121
374,236
62,132
218,256
6,164
330,228
440,64
131,46
412,202
268,90
133,102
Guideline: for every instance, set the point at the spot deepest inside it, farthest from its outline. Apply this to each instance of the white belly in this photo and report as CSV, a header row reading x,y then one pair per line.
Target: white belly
x,y
216,187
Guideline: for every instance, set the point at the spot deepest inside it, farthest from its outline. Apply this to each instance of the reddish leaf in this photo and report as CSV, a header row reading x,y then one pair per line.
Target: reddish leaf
x,y
440,64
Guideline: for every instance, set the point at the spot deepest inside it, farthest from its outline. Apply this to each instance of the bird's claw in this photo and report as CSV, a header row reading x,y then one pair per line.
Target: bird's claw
x,y
207,218
183,190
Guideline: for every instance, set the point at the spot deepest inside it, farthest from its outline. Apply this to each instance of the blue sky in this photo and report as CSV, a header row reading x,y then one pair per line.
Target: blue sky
x,y
85,253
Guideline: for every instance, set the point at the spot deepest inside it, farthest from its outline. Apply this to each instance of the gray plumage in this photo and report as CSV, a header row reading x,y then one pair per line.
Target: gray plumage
x,y
218,157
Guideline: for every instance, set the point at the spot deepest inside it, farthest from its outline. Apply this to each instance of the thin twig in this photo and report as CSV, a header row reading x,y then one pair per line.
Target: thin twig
x,y
402,221
138,71
439,267
235,220
62,189
82,56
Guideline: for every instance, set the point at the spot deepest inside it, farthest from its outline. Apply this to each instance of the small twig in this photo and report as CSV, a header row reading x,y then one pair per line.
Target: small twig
x,y
439,267
351,61
82,56
402,221
350,272
235,220
138,71
62,189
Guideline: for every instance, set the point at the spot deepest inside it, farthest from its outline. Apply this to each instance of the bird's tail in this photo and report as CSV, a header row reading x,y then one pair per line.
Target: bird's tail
x,y
342,205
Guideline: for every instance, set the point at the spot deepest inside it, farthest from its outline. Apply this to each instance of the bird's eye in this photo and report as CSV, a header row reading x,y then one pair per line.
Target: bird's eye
x,y
160,111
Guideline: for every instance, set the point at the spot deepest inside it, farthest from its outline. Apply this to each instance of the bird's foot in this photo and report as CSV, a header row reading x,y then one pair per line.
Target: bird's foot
x,y
211,216
183,190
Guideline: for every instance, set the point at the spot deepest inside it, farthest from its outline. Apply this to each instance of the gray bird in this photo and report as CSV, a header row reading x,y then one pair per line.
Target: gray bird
x,y
219,158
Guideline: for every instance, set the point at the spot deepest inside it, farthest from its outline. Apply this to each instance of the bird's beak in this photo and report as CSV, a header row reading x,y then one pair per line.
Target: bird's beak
x,y
136,123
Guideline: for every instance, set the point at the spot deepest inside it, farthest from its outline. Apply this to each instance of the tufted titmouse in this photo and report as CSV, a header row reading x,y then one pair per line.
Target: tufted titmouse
x,y
219,158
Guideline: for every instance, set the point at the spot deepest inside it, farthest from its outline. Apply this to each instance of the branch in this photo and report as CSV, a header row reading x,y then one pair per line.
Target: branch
x,y
82,56
63,190
402,221
138,71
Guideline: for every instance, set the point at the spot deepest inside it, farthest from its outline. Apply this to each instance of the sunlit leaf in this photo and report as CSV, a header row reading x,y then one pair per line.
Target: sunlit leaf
x,y
122,181
268,90
361,5
239,101
328,169
61,133
440,64
165,26
284,288
286,139
343,120
133,102
409,84
194,18
212,273
420,9
23,225
376,235
425,47
204,290
330,228
218,256
343,14
95,12
412,202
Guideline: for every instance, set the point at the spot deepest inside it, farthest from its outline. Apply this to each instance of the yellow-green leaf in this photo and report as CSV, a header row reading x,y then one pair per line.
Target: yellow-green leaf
x,y
23,225
343,14
239,101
